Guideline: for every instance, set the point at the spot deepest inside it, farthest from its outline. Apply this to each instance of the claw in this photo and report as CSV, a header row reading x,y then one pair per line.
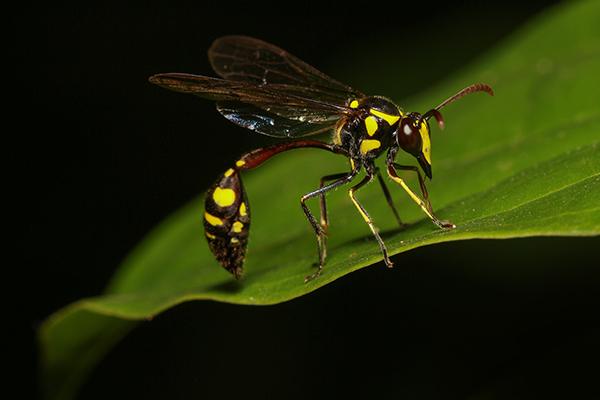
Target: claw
x,y
310,277
445,224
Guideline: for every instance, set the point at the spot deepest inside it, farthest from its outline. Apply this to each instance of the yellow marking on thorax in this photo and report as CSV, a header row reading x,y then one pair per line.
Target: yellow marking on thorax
x,y
240,163
210,236
234,240
390,119
237,227
426,141
223,197
229,172
211,219
371,125
243,211
354,104
368,145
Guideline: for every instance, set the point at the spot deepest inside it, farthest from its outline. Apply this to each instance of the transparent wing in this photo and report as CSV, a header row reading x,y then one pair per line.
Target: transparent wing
x,y
266,89
242,58
270,124
267,102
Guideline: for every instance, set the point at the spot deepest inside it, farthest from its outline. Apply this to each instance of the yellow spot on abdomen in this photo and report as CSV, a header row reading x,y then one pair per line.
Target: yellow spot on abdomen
x,y
371,125
223,197
243,211
237,227
240,163
229,172
211,219
210,236
389,118
368,145
234,240
354,104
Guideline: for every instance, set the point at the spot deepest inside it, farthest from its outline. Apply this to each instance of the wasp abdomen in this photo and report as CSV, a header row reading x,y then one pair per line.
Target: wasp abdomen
x,y
227,221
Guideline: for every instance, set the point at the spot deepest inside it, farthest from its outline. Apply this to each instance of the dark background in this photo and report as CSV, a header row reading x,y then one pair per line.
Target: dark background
x,y
106,156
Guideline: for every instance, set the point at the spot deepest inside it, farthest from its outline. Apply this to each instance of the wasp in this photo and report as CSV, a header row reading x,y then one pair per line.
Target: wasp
x,y
267,90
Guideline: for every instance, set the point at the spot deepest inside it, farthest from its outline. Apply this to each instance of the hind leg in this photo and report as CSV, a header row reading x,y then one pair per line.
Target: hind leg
x,y
321,229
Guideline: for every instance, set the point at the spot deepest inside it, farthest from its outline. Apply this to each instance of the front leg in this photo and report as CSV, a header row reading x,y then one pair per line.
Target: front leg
x,y
424,204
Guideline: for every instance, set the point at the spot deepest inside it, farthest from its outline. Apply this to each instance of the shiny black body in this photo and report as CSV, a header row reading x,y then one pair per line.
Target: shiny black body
x,y
354,129
267,90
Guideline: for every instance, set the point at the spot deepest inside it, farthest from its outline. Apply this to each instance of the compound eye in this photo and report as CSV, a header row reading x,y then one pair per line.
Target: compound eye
x,y
408,135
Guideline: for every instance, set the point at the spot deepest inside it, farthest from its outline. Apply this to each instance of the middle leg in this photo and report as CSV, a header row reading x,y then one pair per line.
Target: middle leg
x,y
368,219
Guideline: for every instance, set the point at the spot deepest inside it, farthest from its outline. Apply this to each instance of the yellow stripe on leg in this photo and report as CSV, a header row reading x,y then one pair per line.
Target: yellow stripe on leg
x,y
369,222
412,194
359,208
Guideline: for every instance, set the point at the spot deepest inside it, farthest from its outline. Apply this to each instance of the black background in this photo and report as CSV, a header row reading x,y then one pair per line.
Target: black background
x,y
106,156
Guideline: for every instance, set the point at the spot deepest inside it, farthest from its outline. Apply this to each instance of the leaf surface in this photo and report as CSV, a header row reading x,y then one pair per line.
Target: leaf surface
x,y
525,162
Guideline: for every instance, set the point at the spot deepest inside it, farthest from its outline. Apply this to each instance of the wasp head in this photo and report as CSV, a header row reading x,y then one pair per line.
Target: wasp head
x,y
413,136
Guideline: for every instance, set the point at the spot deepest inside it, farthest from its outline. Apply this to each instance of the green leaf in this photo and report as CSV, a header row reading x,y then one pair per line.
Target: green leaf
x,y
525,162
